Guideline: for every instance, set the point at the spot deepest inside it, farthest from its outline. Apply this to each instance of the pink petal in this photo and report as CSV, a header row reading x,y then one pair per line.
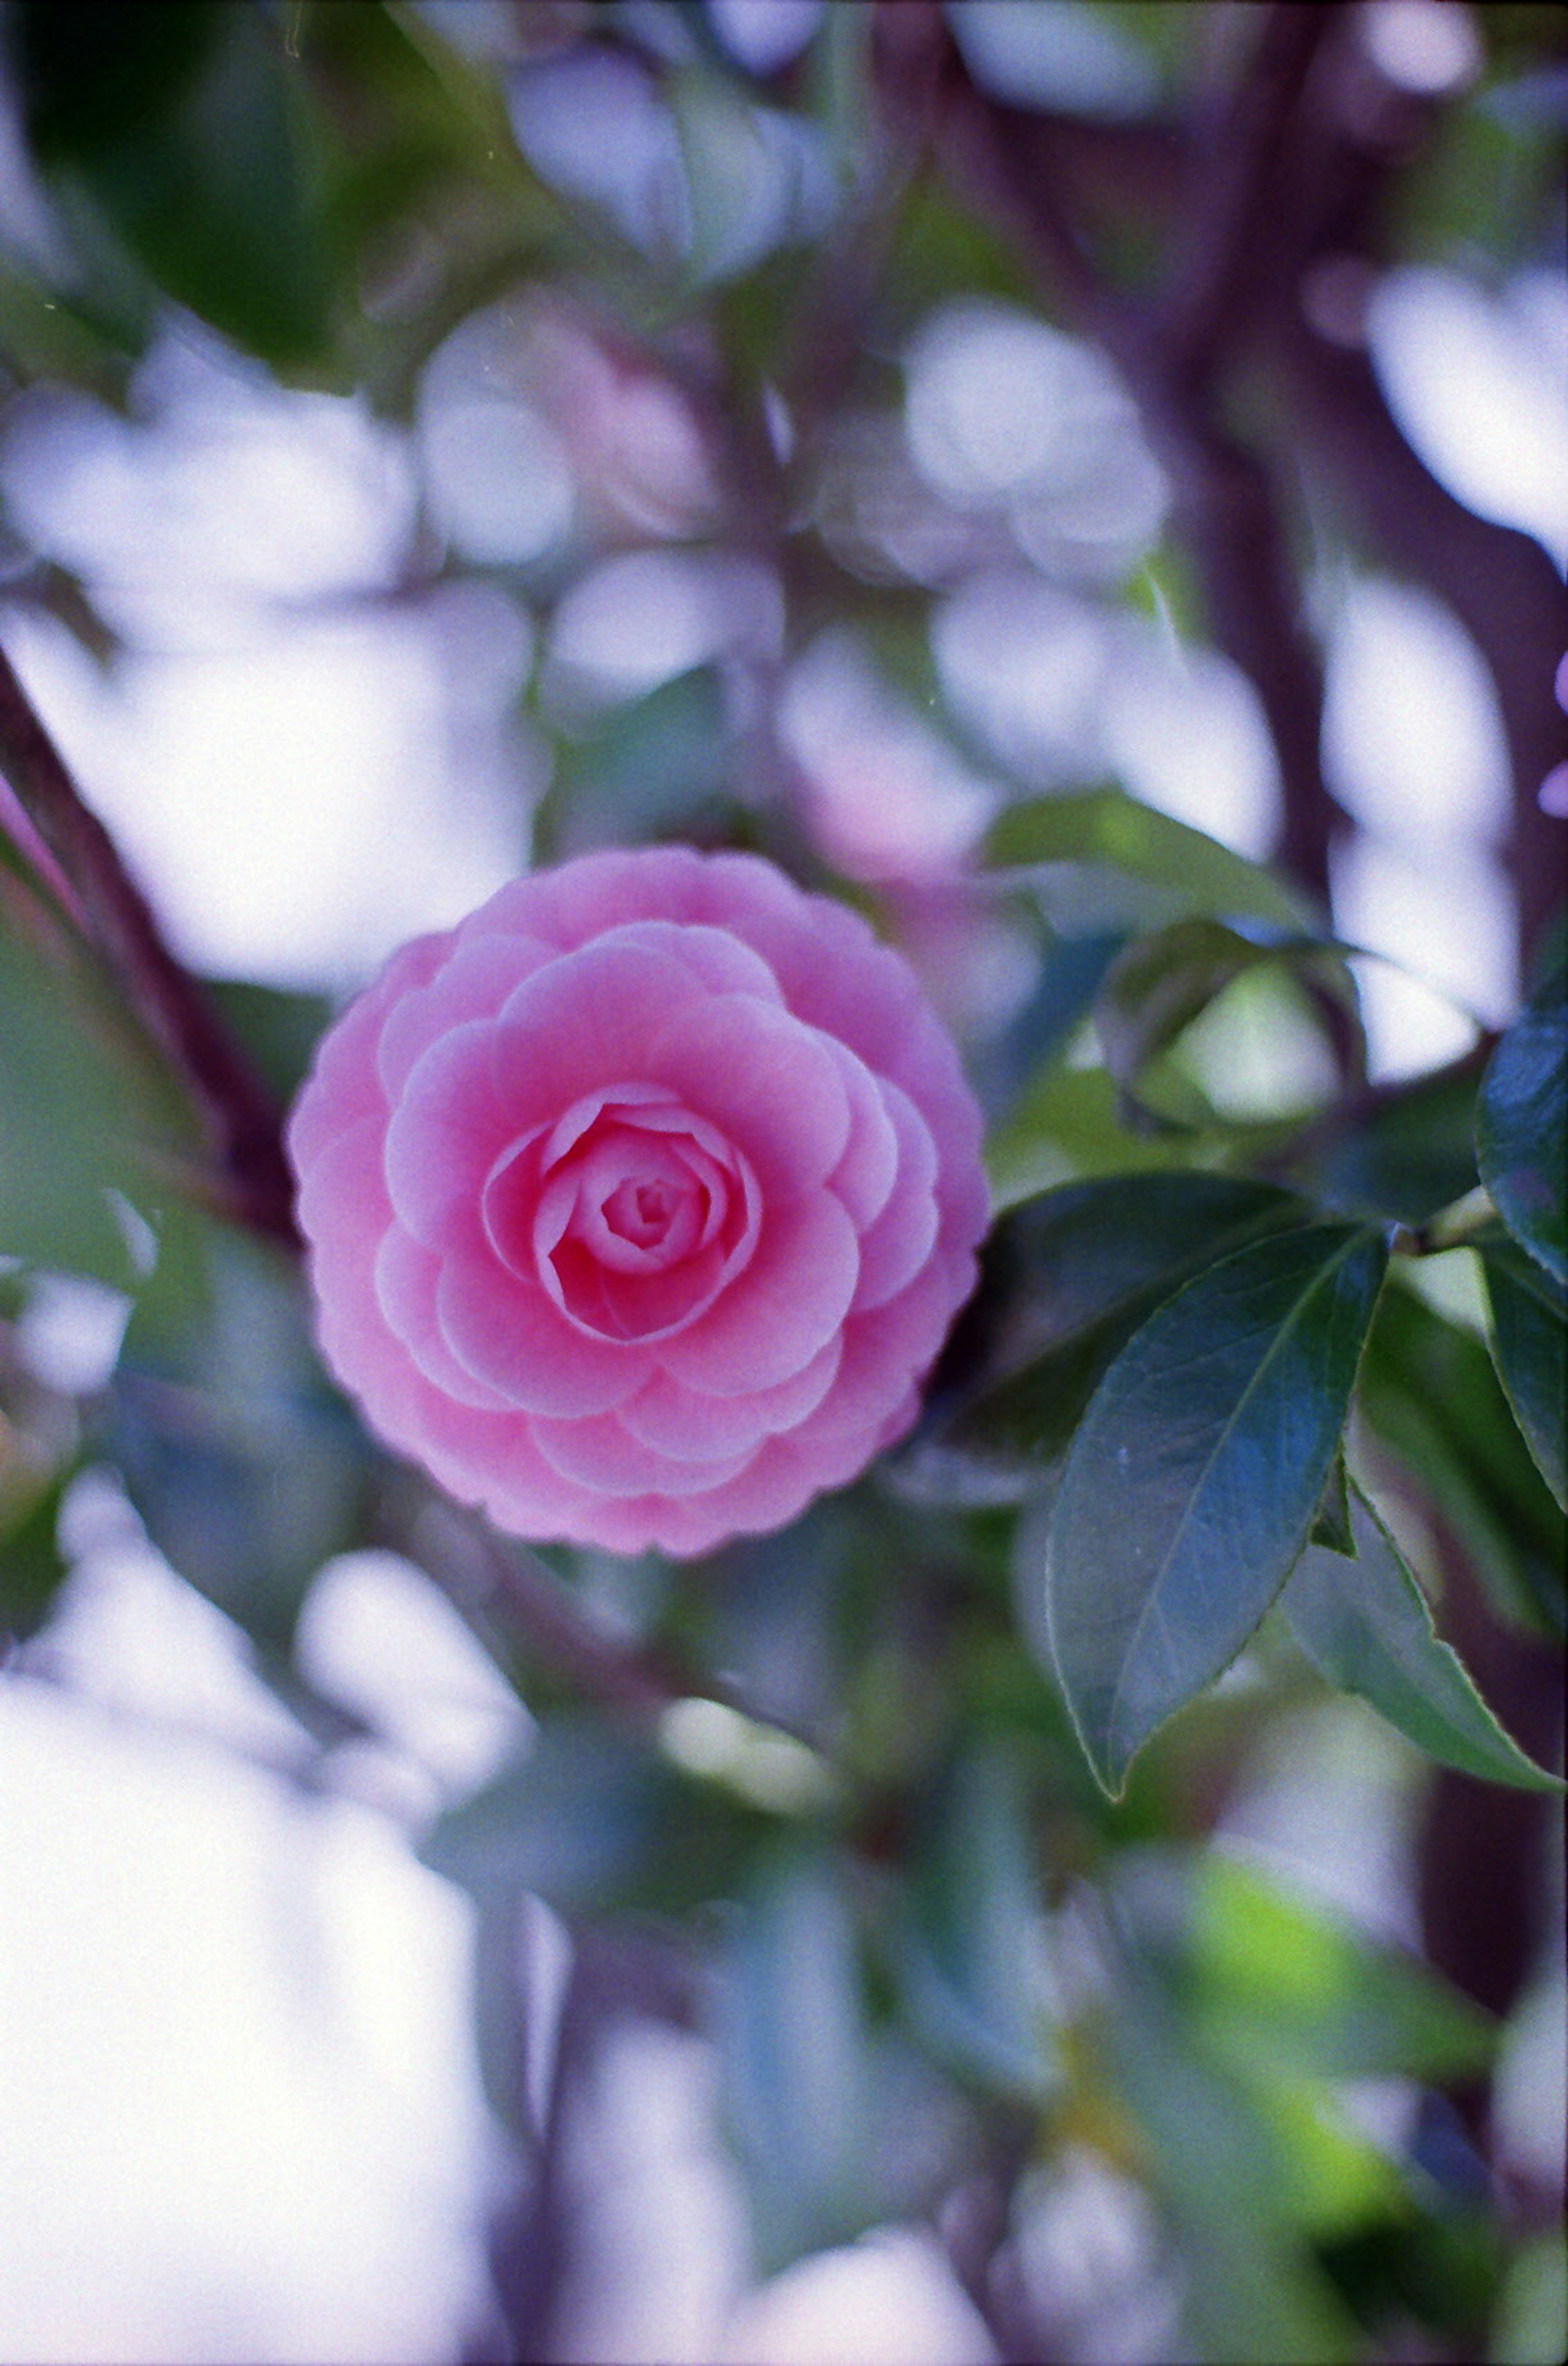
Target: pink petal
x,y
781,1311
446,1134
601,1455
473,983
863,1176
407,1276
884,1350
690,1426
716,957
343,1085
929,1072
600,891
491,1459
508,1334
586,1020
768,1083
774,1488
343,1212
834,972
894,1248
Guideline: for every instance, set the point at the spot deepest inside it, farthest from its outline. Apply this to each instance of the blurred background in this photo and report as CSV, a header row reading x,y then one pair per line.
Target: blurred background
x,y
928,444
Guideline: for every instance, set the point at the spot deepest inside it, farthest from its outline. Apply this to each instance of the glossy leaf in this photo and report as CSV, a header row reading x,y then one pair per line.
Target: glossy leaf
x,y
32,1568
791,2046
217,1392
1365,1625
972,1957
1529,1345
1155,989
1521,1130
1413,1153
1283,1979
1085,1266
1432,1395
80,1111
1178,869
1331,1522
1192,1484
173,131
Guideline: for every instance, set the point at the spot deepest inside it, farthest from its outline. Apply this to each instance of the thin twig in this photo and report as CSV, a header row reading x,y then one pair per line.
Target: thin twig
x,y
241,1116
508,1581
1227,508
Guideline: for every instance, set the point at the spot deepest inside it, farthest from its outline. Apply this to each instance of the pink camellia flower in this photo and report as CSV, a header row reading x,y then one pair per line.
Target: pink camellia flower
x,y
640,1204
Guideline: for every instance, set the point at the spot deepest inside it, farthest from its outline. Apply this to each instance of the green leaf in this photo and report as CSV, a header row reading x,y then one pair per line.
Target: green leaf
x,y
81,1114
1529,1347
1522,1129
217,1392
975,1930
1365,1625
656,769
1431,1393
1155,988
1178,870
1331,1521
32,1568
1285,1983
797,2105
278,1029
1070,1122
172,131
1084,1266
1192,1484
1411,1155
599,1822
1252,2289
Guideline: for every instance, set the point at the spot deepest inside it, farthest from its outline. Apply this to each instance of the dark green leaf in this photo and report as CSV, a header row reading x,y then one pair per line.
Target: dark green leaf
x,y
1155,988
1084,1266
1430,1392
80,1113
1529,1345
217,1392
975,1936
1521,1130
793,2050
1331,1522
279,1030
600,1821
1192,1483
653,770
173,129
1413,1153
32,1568
1365,1625
1178,870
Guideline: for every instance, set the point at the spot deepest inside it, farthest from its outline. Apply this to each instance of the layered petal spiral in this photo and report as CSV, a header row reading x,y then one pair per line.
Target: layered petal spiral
x,y
640,1204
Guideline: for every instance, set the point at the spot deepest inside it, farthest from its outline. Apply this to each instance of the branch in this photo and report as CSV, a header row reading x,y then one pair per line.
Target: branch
x,y
1227,508
1228,257
241,1117
510,1579
1498,581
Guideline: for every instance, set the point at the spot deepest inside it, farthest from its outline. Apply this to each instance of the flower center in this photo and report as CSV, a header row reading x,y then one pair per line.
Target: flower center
x,y
632,1213
640,1211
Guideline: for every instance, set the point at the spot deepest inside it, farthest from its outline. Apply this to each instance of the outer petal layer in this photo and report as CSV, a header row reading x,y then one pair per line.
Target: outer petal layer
x,y
639,1204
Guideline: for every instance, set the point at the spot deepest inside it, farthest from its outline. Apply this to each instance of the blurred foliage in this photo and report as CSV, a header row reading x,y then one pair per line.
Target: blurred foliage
x,y
934,1840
